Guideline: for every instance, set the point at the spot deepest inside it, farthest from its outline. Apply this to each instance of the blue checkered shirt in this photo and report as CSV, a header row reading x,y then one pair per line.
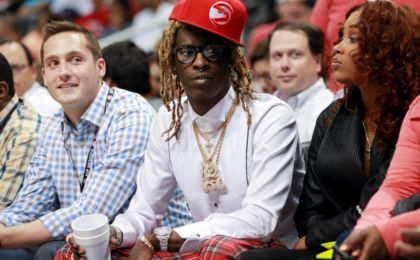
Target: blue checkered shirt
x,y
177,213
51,190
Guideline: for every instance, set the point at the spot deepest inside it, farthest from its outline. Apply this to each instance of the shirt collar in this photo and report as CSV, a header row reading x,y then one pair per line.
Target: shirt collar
x,y
9,106
216,115
95,111
299,99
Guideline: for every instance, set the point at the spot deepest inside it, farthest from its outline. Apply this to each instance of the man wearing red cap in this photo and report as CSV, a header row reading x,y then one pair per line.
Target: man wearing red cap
x,y
234,154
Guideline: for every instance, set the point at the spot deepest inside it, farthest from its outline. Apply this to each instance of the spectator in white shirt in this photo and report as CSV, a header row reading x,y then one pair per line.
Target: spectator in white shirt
x,y
24,77
297,69
234,154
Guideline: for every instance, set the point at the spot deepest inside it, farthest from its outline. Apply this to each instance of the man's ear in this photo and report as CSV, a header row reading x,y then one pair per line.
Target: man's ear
x,y
4,90
4,94
43,75
318,60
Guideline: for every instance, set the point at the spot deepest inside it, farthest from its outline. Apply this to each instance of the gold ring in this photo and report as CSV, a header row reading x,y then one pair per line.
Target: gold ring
x,y
68,238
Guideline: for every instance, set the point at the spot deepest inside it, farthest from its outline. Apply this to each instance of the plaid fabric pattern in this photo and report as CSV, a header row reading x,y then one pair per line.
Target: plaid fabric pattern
x,y
51,189
65,253
177,213
215,248
17,141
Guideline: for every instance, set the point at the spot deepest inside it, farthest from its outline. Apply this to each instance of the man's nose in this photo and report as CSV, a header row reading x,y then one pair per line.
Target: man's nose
x,y
201,61
64,71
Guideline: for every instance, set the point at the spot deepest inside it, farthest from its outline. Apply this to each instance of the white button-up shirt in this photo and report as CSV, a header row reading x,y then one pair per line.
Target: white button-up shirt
x,y
307,105
41,100
261,165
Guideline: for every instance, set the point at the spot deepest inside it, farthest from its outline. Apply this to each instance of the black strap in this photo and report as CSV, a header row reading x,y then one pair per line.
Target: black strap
x,y
89,158
7,118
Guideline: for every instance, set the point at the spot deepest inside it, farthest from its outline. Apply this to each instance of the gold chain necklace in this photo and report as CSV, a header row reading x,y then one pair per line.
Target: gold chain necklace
x,y
208,136
369,144
211,181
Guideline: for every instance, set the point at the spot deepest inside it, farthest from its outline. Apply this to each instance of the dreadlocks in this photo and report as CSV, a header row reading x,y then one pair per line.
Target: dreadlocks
x,y
172,91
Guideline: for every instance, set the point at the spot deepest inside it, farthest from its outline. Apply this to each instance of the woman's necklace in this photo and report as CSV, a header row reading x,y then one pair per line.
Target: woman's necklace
x,y
210,180
369,144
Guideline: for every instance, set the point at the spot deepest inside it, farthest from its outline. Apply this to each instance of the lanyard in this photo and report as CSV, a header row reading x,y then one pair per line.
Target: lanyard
x,y
7,118
89,158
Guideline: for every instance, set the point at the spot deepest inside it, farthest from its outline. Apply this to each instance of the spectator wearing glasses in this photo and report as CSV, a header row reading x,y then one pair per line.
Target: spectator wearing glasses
x,y
24,77
234,154
19,129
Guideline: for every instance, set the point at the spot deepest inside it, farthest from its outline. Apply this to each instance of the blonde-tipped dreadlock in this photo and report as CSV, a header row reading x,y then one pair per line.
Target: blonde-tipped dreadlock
x,y
172,91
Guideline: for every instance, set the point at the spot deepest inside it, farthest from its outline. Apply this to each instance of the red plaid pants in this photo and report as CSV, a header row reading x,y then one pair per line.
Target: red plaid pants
x,y
215,248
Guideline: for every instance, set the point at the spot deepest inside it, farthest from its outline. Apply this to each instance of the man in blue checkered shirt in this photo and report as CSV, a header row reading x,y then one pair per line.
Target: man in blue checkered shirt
x,y
88,155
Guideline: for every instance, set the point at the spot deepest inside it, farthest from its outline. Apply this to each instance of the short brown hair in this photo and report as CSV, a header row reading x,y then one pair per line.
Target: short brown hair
x,y
56,27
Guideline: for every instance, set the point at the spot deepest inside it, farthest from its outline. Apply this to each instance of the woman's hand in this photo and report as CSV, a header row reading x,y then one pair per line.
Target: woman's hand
x,y
365,244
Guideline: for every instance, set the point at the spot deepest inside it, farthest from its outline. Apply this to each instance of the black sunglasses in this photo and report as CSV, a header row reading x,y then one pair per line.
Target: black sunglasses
x,y
186,54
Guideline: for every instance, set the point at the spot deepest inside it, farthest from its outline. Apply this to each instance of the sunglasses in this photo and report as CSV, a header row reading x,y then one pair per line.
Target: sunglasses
x,y
186,54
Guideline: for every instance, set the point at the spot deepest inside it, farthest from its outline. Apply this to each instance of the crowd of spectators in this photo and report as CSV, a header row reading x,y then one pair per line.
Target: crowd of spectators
x,y
316,92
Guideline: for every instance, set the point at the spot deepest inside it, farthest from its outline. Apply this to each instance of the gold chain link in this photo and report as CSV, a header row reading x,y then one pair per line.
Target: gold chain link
x,y
218,147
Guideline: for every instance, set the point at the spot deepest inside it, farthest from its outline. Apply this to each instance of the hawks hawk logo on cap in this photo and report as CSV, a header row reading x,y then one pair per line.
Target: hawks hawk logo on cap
x,y
220,13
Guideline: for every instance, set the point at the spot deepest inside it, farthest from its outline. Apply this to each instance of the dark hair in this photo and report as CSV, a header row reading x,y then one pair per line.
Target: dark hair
x,y
316,40
261,52
26,50
388,59
6,75
56,27
128,66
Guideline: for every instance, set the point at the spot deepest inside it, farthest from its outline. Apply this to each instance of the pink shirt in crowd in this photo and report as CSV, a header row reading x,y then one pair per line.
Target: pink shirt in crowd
x,y
329,14
402,181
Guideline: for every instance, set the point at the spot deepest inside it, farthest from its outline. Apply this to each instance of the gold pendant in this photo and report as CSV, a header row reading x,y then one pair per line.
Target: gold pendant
x,y
212,182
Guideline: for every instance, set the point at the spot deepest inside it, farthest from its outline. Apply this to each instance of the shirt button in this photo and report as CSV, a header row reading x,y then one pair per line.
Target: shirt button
x,y
215,205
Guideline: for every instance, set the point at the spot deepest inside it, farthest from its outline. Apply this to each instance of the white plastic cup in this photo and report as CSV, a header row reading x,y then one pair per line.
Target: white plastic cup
x,y
91,232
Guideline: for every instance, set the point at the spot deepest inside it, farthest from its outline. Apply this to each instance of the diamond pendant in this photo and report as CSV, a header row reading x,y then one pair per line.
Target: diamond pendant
x,y
208,169
212,182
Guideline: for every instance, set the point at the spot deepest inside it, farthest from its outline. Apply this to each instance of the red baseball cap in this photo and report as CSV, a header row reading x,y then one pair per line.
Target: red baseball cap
x,y
225,18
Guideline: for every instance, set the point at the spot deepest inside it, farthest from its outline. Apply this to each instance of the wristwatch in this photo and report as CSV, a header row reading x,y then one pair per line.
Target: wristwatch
x,y
162,234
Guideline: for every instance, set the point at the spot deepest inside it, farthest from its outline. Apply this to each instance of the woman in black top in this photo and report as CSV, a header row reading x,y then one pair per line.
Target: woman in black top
x,y
377,58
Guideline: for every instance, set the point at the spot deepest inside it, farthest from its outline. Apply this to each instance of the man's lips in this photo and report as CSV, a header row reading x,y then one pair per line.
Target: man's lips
x,y
67,85
203,77
286,77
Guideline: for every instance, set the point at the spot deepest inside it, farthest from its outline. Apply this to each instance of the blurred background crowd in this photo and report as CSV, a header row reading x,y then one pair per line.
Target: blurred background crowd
x,y
142,21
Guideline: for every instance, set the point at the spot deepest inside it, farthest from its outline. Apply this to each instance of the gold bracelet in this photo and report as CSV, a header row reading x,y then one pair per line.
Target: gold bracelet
x,y
147,243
